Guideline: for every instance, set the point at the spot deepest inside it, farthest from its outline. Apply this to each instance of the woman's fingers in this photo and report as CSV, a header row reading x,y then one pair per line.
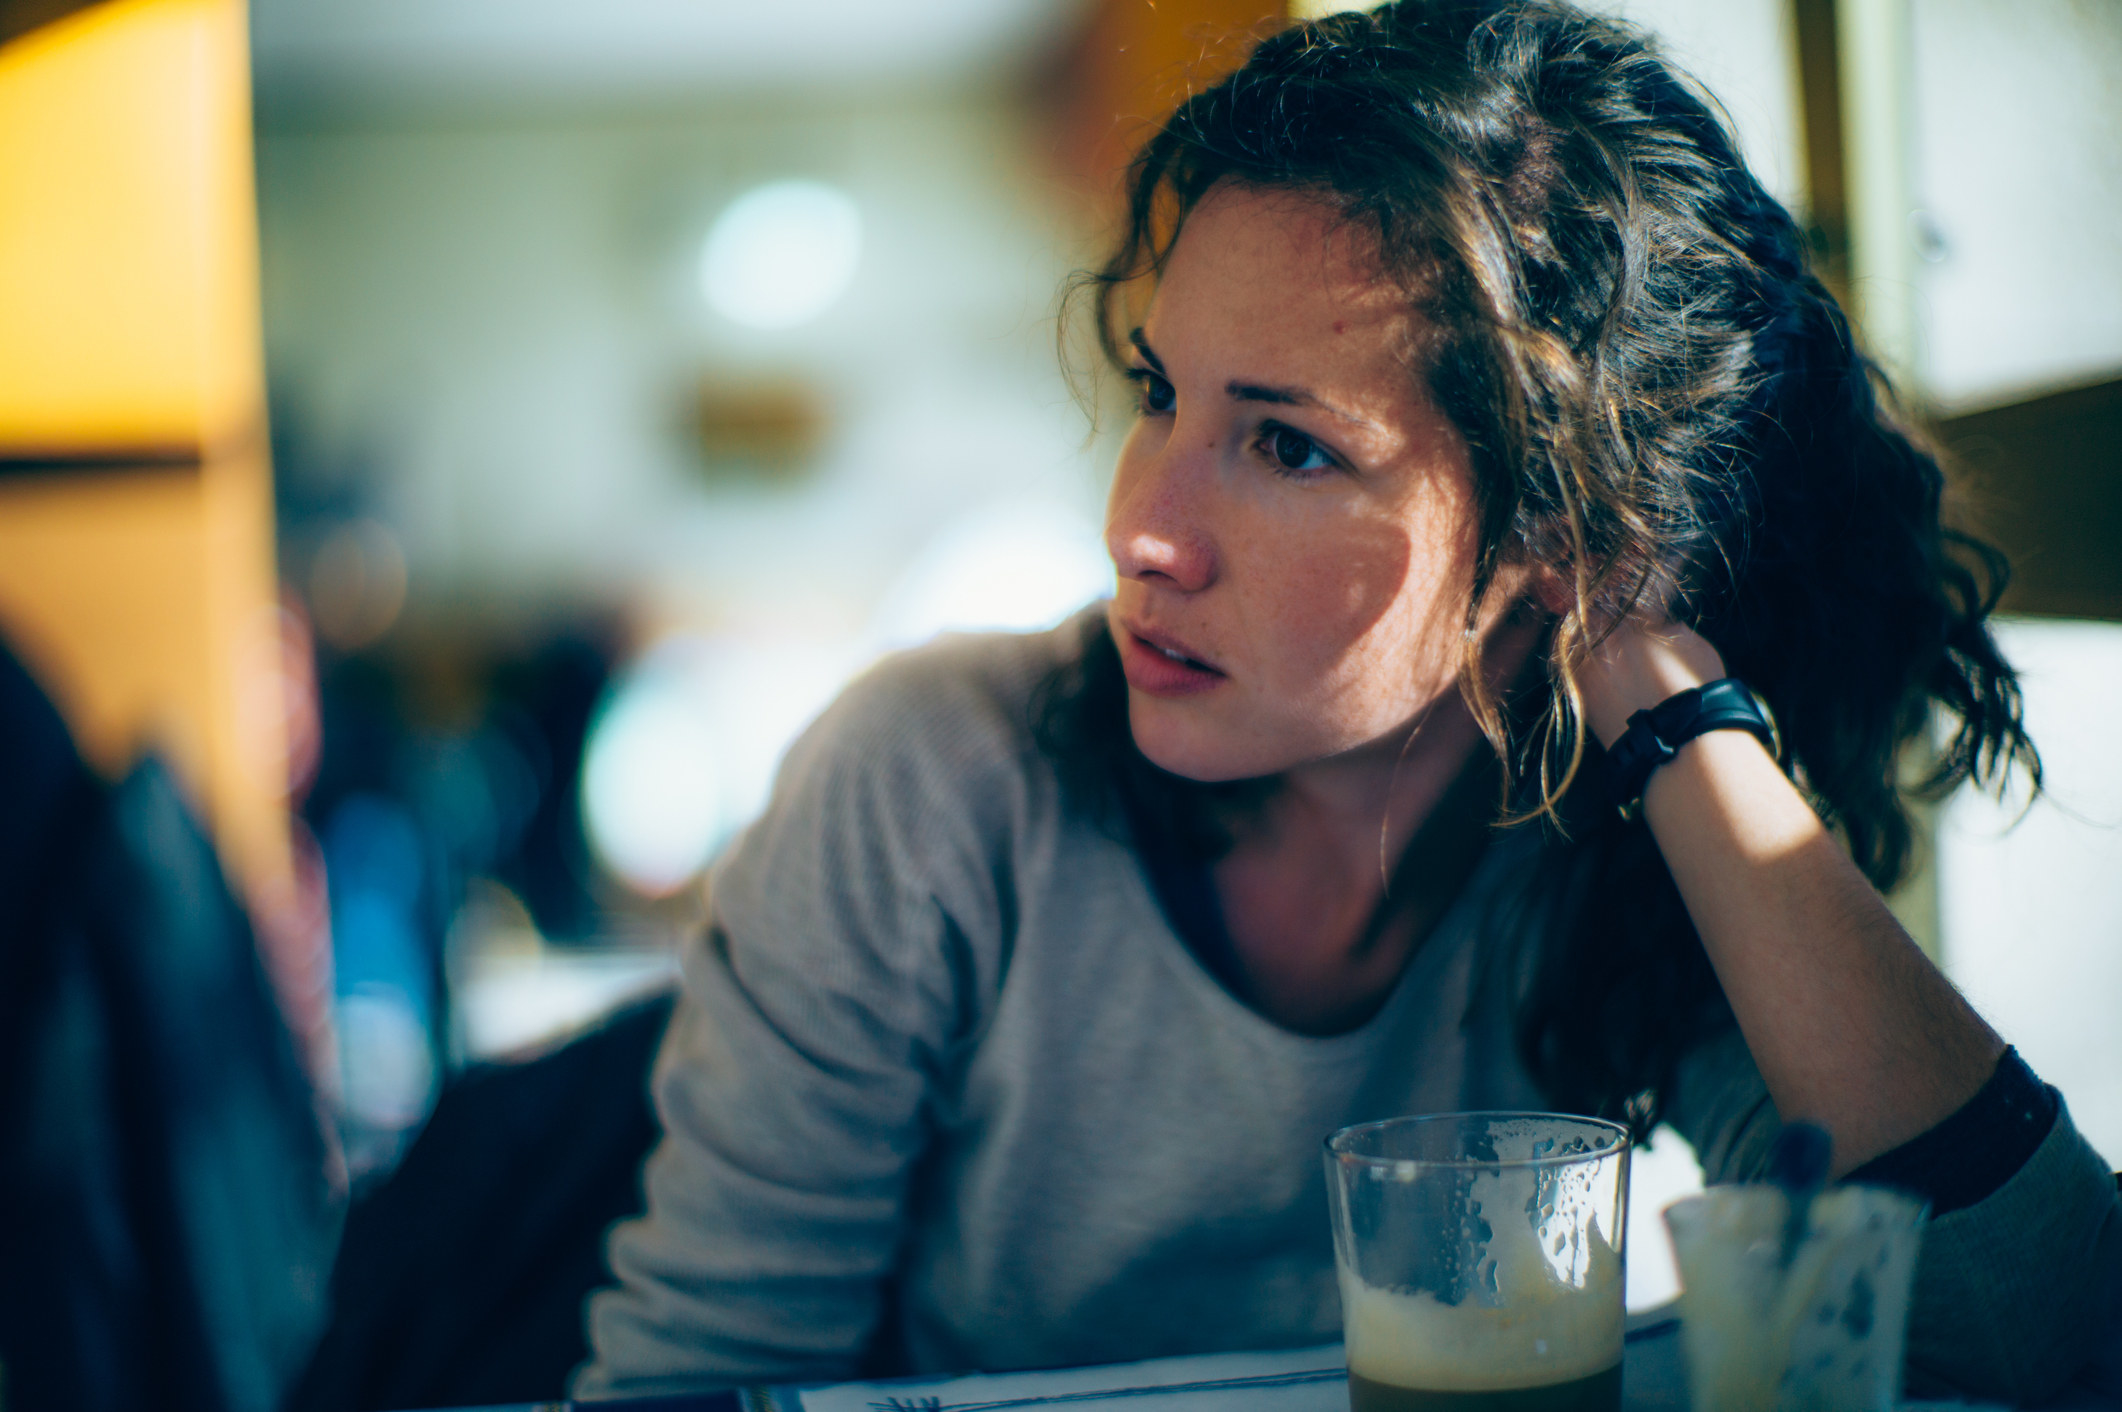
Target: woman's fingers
x,y
1638,665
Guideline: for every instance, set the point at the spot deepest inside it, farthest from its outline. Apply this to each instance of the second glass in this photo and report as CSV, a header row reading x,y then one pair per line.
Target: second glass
x,y
1480,1260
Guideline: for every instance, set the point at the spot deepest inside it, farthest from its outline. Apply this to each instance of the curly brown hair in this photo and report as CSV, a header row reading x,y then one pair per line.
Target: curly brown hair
x,y
1662,401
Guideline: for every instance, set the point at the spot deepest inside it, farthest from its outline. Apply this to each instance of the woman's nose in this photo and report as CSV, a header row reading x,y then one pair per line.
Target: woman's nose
x,y
1156,526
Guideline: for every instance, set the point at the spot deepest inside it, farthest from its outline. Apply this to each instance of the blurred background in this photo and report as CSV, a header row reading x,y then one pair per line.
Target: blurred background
x,y
470,439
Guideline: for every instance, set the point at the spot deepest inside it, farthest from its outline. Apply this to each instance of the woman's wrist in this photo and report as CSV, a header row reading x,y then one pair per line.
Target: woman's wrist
x,y
1638,666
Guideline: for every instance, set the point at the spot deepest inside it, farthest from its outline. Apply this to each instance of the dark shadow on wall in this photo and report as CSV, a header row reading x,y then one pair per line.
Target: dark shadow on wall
x,y
2043,480
19,17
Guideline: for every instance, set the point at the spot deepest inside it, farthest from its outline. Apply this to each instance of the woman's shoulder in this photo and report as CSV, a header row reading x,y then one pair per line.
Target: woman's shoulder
x,y
911,789
978,683
956,713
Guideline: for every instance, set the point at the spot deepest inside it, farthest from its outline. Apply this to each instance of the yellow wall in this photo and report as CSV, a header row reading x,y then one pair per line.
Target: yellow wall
x,y
136,561
128,239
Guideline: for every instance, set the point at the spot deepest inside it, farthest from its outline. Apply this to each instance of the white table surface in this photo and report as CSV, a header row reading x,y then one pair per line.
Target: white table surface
x,y
1654,1379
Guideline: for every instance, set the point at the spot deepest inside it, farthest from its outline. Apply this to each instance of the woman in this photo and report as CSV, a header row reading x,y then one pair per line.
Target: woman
x,y
1485,402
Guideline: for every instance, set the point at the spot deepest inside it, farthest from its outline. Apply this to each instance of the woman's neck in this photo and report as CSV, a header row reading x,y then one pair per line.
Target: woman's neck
x,y
1333,880
1374,800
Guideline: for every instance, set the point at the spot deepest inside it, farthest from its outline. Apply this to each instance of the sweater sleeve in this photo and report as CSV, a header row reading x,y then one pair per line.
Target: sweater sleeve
x,y
1979,1148
836,979
2012,1291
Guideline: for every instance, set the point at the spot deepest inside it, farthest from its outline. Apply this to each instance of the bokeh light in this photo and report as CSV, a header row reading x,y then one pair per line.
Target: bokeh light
x,y
1015,567
357,584
651,783
781,254
684,752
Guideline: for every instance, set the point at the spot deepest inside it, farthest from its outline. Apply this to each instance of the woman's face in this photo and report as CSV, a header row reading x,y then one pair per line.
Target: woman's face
x,y
1291,518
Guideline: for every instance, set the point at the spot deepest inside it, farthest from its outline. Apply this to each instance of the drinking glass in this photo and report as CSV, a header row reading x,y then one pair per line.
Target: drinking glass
x,y
1480,1261
1811,1316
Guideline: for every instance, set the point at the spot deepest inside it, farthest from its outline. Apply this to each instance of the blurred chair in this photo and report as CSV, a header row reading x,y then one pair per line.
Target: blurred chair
x,y
462,1276
166,1214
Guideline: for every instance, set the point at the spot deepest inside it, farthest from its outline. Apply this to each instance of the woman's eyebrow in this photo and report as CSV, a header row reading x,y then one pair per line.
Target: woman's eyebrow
x,y
1292,397
1255,392
1149,354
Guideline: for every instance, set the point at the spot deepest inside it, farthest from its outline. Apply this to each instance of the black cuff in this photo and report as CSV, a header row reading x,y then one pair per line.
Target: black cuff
x,y
1978,1149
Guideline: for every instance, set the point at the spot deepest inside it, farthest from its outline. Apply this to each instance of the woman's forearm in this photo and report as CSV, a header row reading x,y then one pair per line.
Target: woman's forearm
x,y
1850,1024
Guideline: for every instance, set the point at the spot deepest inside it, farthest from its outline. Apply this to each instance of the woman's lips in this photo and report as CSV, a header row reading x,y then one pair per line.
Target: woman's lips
x,y
1162,669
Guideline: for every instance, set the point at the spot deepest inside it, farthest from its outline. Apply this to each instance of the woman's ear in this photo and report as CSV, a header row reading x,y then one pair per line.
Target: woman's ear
x,y
1547,588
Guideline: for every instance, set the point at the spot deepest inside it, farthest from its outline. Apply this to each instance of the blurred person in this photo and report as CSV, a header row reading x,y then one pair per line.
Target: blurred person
x,y
1492,431
168,1196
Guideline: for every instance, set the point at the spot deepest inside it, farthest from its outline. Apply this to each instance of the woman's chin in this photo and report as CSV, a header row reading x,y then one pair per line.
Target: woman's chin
x,y
1179,742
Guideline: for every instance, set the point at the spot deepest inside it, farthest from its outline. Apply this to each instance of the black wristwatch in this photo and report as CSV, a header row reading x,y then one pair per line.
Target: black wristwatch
x,y
1656,735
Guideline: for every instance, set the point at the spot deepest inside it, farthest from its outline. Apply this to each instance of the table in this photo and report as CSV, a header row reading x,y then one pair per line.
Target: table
x,y
1299,1380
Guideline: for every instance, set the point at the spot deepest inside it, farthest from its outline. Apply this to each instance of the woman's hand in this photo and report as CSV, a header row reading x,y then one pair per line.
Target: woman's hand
x,y
1639,665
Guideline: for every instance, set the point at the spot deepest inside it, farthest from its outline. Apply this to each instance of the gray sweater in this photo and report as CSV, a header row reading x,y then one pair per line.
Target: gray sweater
x,y
945,1089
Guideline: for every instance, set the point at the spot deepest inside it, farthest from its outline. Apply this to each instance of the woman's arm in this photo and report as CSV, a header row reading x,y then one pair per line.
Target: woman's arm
x,y
854,938
1851,1025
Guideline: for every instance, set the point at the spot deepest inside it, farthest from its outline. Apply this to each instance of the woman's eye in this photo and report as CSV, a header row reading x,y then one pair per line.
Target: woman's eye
x,y
1293,451
1157,395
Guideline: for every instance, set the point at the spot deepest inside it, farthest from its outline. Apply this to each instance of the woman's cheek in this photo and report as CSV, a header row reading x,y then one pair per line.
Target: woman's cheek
x,y
1344,672
1346,585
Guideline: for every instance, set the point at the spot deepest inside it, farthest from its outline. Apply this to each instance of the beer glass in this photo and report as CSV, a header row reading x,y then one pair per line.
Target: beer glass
x,y
1480,1261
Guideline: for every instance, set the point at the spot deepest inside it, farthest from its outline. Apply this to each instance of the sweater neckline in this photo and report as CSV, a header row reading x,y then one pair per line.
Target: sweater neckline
x,y
1452,931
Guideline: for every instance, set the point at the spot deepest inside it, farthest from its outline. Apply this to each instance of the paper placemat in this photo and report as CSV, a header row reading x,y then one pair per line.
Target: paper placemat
x,y
1299,1380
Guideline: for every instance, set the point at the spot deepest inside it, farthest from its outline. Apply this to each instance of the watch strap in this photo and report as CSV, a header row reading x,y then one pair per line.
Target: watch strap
x,y
1656,734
